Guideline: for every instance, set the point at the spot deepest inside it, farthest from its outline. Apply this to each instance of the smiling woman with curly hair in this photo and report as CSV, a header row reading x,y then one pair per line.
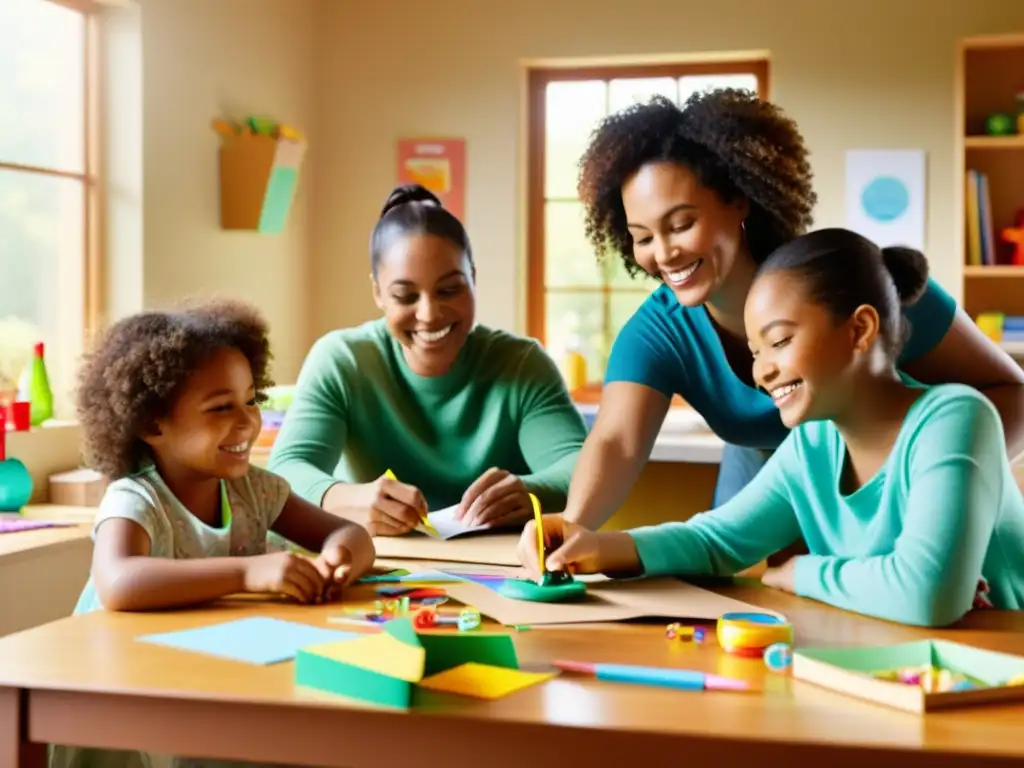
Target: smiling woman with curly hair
x,y
698,197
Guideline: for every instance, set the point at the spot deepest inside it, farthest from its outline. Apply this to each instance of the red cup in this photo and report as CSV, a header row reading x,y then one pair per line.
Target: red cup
x,y
21,415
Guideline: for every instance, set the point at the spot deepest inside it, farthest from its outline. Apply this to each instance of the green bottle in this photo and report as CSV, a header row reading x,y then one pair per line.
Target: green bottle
x,y
39,393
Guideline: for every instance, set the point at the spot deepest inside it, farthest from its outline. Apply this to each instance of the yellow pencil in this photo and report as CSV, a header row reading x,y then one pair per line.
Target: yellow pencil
x,y
423,513
540,531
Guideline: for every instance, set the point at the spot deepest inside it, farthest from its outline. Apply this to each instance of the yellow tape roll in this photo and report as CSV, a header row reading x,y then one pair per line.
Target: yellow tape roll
x,y
748,634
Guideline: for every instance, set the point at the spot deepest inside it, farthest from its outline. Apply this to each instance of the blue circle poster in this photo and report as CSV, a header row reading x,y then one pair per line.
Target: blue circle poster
x,y
885,195
885,198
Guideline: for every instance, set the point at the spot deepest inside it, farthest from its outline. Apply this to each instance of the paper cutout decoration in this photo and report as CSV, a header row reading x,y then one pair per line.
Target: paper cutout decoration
x,y
382,668
257,640
482,681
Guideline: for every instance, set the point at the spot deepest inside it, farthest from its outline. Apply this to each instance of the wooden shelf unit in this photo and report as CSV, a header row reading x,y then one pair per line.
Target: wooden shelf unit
x,y
990,72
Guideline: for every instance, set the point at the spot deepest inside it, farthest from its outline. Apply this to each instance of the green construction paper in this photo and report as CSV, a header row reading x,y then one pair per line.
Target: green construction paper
x,y
450,649
355,682
990,667
278,199
404,631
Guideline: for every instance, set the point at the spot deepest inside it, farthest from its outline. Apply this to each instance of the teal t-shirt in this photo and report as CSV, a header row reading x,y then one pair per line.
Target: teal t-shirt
x,y
942,516
676,351
359,410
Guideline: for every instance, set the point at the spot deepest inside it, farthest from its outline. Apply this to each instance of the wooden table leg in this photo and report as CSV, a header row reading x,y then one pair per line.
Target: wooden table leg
x,y
15,751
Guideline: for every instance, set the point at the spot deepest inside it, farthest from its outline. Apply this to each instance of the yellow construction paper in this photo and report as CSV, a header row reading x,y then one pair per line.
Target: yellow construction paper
x,y
379,653
482,681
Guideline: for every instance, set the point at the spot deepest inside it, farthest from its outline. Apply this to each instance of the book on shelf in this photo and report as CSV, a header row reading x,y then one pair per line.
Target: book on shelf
x,y
982,249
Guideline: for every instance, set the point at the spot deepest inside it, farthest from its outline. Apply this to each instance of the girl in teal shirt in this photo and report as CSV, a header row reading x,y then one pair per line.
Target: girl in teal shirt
x,y
903,494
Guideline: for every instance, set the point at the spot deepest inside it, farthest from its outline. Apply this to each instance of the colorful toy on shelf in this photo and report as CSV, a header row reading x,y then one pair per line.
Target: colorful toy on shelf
x,y
1015,236
1000,124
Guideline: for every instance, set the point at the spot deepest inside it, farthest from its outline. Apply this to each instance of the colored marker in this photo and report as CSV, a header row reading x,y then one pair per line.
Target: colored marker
x,y
423,513
665,677
538,520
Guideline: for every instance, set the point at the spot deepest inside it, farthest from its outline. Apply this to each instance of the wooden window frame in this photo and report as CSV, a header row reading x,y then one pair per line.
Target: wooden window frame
x,y
537,82
92,212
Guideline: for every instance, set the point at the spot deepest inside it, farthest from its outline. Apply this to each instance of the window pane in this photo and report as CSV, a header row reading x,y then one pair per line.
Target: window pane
x,y
623,305
573,109
619,277
569,259
41,270
626,91
693,83
42,112
577,318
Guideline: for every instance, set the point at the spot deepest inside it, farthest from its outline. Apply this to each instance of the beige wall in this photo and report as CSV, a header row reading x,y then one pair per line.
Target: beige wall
x,y
202,59
869,73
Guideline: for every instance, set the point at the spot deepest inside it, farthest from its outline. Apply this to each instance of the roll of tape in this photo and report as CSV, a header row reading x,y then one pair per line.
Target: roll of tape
x,y
748,634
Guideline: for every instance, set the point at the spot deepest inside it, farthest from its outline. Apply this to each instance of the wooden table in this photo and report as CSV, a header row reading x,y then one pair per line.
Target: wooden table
x,y
85,680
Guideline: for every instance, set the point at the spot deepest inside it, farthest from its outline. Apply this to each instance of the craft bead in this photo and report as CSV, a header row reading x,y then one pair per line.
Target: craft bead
x,y
778,657
677,631
469,619
424,618
699,635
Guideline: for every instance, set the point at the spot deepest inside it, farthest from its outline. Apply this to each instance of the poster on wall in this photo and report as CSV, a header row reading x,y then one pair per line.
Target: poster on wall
x,y
440,166
885,195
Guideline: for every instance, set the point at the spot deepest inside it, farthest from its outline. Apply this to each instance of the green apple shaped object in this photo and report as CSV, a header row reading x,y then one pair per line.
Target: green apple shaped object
x,y
554,587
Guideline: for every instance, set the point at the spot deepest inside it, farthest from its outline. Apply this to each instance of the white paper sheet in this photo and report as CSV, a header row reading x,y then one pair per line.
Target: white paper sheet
x,y
446,524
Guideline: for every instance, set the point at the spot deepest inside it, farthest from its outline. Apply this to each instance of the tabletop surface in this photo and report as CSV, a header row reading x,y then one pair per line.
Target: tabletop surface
x,y
99,653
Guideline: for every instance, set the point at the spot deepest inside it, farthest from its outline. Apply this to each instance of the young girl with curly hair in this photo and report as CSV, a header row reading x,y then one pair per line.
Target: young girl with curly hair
x,y
169,403
698,197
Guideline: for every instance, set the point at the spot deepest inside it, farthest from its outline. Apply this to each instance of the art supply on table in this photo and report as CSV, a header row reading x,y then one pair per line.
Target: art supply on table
x,y
554,587
664,677
20,413
16,524
257,640
748,634
679,632
778,657
919,676
482,681
424,520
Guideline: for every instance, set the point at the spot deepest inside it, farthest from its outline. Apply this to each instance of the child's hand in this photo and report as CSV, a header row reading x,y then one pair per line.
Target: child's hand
x,y
782,577
285,573
346,557
567,546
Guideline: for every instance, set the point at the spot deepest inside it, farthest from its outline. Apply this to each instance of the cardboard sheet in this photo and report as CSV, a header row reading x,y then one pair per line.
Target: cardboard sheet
x,y
486,548
607,600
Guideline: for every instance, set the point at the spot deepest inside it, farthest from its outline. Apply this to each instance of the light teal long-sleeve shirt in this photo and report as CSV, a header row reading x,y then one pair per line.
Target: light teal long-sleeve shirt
x,y
359,410
910,545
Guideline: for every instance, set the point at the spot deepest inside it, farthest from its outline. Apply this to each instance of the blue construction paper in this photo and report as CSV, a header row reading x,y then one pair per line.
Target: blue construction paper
x,y
257,640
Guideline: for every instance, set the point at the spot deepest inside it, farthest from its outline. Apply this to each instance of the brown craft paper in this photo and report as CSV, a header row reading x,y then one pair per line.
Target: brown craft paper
x,y
606,600
487,549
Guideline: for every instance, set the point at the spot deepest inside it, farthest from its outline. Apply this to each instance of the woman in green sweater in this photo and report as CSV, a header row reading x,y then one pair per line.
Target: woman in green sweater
x,y
460,414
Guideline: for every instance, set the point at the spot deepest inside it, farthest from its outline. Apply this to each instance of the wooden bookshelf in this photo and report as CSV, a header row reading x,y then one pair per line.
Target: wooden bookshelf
x,y
989,75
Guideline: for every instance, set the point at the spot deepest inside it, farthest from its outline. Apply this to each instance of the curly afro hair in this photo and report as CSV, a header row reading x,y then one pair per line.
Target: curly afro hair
x,y
732,141
135,371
